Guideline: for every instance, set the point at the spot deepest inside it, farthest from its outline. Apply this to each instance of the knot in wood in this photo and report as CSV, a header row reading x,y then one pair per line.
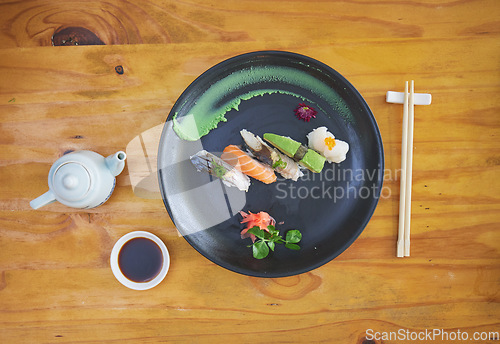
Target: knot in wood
x,y
75,36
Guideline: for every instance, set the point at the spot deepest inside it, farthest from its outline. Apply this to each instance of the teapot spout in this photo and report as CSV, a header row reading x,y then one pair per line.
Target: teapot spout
x,y
116,162
43,200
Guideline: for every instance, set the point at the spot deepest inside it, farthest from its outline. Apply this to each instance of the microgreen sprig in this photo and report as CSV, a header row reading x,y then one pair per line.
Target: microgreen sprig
x,y
268,240
280,164
218,170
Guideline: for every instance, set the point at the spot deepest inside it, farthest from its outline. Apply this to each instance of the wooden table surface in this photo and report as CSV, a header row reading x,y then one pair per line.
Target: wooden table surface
x,y
56,285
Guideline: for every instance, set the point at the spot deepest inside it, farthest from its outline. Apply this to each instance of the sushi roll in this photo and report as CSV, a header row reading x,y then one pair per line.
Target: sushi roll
x,y
323,141
230,176
285,166
305,156
237,158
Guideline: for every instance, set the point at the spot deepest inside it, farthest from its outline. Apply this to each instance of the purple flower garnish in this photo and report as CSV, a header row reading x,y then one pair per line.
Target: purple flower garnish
x,y
305,112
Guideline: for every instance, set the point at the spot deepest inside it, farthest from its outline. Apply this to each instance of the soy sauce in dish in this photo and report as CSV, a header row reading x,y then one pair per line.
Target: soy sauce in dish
x,y
140,259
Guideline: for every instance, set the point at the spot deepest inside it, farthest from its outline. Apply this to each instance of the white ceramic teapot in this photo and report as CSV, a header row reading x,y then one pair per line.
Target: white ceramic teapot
x,y
82,179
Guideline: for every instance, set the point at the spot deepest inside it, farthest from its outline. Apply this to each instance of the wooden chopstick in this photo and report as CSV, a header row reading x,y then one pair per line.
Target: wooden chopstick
x,y
402,186
409,168
403,245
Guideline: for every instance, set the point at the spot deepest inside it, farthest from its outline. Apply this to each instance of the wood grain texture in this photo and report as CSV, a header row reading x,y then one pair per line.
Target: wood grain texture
x,y
33,22
55,282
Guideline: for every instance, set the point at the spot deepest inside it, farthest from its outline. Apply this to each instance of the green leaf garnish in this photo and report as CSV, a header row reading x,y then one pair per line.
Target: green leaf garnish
x,y
218,170
292,246
260,249
267,240
293,236
273,230
279,163
259,233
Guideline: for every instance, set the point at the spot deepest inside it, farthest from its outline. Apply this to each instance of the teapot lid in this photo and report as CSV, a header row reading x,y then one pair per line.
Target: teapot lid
x,y
71,181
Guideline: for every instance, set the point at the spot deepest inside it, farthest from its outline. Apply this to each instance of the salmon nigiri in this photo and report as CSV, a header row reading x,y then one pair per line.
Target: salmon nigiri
x,y
246,164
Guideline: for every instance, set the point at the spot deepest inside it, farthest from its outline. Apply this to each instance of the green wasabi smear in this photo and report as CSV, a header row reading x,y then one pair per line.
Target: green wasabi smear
x,y
204,115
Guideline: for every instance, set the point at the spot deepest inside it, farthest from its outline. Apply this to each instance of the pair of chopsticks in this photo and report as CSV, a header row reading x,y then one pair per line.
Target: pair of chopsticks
x,y
403,246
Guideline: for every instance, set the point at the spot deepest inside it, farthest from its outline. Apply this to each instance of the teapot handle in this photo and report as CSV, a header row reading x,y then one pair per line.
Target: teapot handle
x,y
43,200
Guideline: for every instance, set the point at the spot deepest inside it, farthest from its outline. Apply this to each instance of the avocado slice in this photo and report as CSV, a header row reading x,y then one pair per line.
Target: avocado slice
x,y
313,161
284,144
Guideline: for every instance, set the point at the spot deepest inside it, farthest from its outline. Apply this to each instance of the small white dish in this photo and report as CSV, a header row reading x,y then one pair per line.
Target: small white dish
x,y
115,267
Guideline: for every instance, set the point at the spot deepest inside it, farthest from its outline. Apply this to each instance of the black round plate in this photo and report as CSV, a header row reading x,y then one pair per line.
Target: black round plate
x,y
331,208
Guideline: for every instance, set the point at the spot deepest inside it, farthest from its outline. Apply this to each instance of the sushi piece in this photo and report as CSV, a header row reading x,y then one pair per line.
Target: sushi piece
x,y
237,158
323,141
285,166
305,156
230,176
